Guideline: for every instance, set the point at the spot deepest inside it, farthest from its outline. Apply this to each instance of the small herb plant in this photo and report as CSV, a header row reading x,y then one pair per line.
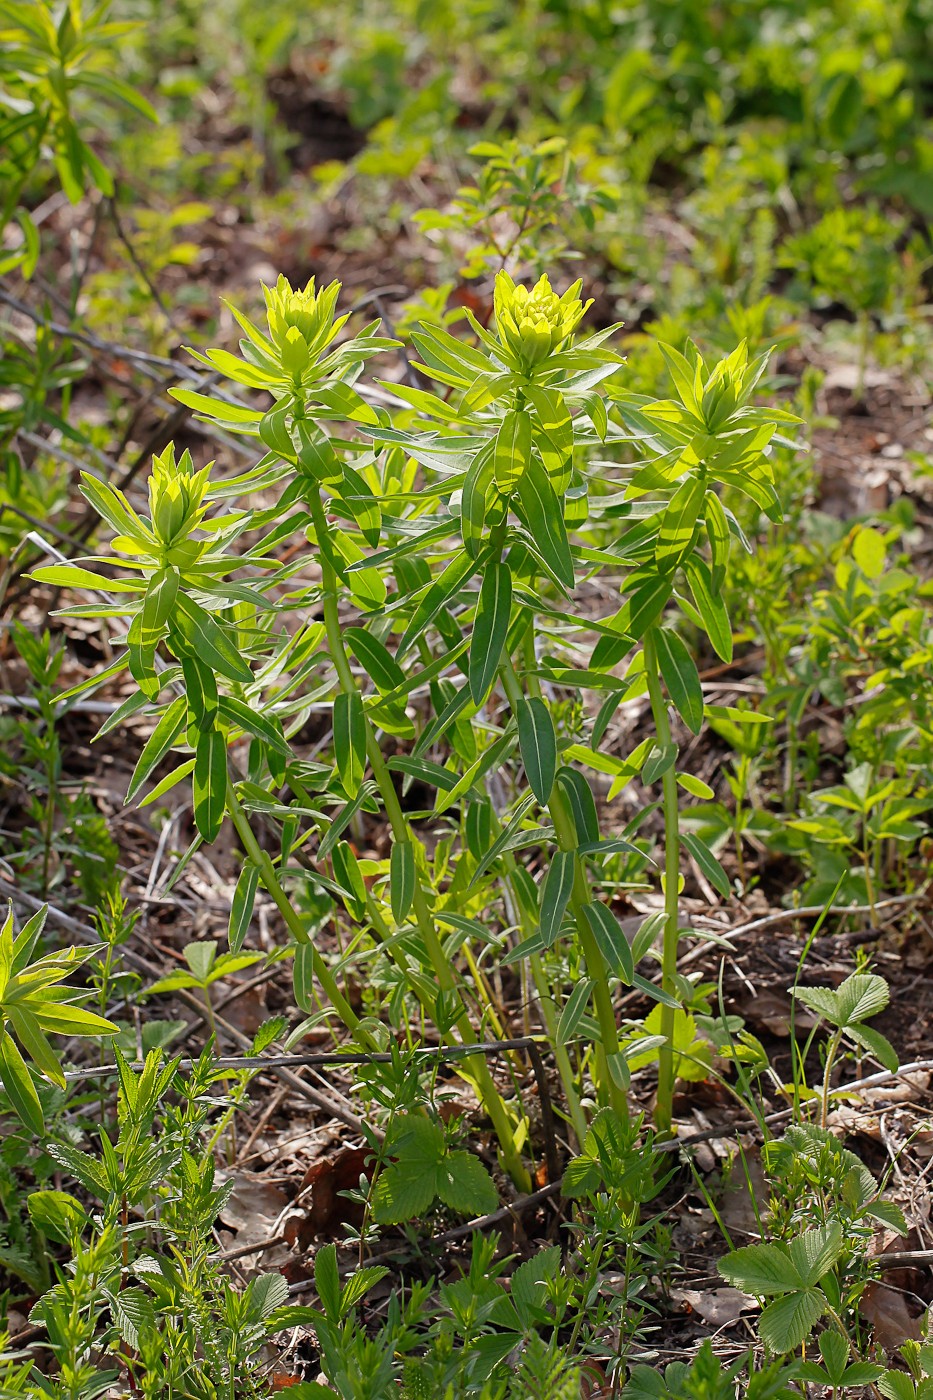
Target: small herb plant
x,y
446,541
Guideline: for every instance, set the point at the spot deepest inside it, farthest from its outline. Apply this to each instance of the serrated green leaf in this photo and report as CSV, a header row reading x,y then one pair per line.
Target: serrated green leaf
x,y
785,1324
464,1184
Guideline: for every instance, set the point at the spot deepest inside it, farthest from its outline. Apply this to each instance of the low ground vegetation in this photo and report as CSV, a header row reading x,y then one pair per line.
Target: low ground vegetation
x,y
467,656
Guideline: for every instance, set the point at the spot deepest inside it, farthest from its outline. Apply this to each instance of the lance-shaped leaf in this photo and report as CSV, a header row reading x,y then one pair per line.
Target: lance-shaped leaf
x,y
574,1011
612,941
375,658
681,677
490,627
538,744
720,540
512,453
241,907
350,740
678,523
358,497
141,652
198,634
582,803
711,612
708,863
349,877
479,480
556,889
402,876
441,591
541,511
553,434
209,783
201,692
160,741
641,610
17,1081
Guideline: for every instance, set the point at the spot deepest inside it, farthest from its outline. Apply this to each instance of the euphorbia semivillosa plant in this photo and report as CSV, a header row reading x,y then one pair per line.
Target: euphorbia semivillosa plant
x,y
423,563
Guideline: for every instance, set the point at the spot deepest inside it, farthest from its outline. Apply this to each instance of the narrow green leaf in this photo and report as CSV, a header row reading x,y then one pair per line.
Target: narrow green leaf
x,y
537,741
461,568
402,875
160,741
209,786
612,941
350,879
201,692
502,840
678,523
640,610
556,889
681,677
720,541
473,500
375,658
266,727
17,1081
708,863
541,511
574,1011
512,454
553,434
712,609
490,627
202,636
582,803
241,908
350,740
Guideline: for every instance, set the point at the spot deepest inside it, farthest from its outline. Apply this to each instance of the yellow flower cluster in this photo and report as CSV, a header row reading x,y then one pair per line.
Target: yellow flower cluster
x,y
301,323
532,325
176,496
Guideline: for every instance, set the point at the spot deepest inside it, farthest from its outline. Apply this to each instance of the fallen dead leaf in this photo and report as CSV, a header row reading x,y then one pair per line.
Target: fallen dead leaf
x,y
325,1209
253,1208
744,1188
886,1309
717,1306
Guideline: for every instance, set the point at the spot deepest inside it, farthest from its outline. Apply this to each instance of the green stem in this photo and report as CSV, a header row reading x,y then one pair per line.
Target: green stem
x,y
665,1103
478,1068
546,1004
566,834
832,1050
293,922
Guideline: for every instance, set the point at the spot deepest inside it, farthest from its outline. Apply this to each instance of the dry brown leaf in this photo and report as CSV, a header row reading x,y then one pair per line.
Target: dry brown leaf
x,y
717,1306
886,1309
253,1208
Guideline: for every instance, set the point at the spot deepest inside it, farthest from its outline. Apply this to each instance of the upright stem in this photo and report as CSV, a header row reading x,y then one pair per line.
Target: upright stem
x,y
664,1109
440,963
285,907
566,834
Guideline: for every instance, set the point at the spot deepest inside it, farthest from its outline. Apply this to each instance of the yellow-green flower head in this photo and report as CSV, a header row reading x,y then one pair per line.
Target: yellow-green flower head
x,y
532,325
301,323
176,495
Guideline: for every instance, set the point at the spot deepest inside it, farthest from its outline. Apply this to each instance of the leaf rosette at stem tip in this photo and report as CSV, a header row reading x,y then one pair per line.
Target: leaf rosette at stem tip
x,y
532,325
295,354
176,498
